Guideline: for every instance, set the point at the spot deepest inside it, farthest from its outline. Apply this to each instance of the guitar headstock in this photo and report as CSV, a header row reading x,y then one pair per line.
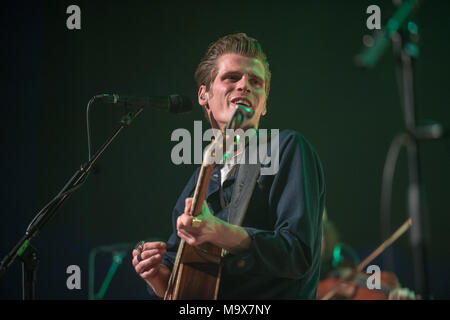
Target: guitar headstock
x,y
223,145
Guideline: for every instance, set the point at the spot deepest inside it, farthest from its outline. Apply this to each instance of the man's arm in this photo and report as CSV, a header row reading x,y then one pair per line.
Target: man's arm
x,y
290,248
159,283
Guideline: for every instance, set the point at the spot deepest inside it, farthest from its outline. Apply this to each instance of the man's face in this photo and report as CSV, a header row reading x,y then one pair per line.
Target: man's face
x,y
240,80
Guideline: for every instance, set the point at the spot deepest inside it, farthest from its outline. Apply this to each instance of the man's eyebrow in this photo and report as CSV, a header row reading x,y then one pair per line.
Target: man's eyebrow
x,y
231,73
239,73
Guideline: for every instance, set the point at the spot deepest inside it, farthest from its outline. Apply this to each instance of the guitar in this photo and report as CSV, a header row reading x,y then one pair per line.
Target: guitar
x,y
196,271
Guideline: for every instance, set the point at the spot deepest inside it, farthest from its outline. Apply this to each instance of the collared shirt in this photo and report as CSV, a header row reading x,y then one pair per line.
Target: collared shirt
x,y
283,219
230,162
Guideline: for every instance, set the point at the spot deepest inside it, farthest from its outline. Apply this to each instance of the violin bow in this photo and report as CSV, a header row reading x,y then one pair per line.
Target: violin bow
x,y
397,234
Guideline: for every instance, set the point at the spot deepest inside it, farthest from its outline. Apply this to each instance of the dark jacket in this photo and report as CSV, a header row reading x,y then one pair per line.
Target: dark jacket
x,y
284,220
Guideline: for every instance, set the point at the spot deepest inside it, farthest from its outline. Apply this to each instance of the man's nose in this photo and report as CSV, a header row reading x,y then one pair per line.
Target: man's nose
x,y
243,84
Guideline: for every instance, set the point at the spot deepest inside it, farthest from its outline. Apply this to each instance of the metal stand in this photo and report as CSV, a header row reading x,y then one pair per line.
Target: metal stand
x,y
30,262
118,251
404,35
117,260
406,53
23,248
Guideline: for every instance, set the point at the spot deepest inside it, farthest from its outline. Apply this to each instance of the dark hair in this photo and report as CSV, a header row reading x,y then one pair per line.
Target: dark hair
x,y
238,43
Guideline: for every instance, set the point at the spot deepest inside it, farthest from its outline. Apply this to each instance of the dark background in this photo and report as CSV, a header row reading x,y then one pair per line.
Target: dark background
x,y
147,48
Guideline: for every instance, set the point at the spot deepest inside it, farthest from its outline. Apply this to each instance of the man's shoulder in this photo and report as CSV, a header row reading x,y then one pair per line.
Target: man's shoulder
x,y
287,134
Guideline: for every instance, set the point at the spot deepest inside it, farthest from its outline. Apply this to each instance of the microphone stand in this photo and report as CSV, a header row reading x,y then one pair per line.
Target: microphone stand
x,y
23,249
406,52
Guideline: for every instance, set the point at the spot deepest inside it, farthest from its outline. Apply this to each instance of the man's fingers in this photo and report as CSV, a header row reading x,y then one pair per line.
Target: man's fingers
x,y
148,253
187,205
156,248
184,221
149,273
147,264
189,224
193,240
186,236
154,245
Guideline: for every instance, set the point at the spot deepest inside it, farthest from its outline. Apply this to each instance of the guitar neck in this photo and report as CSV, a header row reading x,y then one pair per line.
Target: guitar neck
x,y
196,209
201,188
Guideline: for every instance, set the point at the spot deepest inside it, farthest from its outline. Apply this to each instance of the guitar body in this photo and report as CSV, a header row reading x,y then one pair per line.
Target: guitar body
x,y
198,274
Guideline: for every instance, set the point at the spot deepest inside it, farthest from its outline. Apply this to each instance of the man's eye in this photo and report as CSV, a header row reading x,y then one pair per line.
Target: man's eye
x,y
256,82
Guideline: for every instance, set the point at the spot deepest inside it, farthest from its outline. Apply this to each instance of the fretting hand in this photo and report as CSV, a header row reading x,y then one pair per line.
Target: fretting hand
x,y
200,229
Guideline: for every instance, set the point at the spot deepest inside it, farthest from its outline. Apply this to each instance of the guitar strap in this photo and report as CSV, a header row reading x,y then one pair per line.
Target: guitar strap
x,y
244,185
247,175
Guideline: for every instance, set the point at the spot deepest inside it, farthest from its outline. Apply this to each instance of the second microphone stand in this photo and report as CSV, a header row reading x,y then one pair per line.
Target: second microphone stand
x,y
23,249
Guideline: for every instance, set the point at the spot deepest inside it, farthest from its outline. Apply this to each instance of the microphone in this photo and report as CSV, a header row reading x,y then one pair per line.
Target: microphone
x,y
173,103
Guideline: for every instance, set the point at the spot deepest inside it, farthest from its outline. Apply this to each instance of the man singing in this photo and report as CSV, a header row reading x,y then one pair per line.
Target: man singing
x,y
275,253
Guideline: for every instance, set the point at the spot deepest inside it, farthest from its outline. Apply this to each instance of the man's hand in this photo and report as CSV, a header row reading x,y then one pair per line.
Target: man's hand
x,y
208,228
197,230
150,268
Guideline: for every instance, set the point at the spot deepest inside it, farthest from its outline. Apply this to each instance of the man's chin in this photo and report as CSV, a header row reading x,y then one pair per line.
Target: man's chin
x,y
215,123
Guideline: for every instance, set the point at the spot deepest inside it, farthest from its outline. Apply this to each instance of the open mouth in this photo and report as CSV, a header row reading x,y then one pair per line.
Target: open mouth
x,y
242,102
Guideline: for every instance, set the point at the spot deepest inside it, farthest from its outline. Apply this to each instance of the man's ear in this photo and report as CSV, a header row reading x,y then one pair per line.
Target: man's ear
x,y
203,96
